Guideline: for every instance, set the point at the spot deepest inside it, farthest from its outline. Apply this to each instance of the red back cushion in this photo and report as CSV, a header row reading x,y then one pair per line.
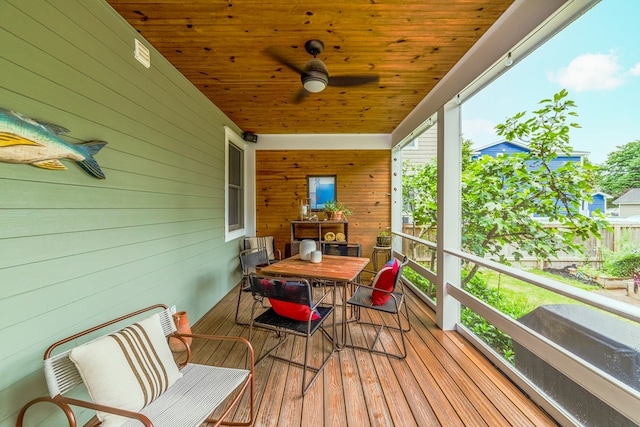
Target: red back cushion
x,y
288,299
385,280
291,310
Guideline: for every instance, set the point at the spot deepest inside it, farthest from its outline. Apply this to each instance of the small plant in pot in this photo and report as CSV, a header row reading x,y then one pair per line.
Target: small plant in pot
x,y
384,238
336,210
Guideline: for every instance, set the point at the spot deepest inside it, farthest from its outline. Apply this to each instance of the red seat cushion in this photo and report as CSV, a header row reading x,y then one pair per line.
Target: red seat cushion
x,y
291,310
385,279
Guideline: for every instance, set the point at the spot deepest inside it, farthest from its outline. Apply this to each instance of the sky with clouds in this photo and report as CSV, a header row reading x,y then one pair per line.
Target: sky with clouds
x,y
596,59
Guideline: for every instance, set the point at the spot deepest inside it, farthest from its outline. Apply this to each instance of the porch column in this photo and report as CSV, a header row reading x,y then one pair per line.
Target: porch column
x,y
449,212
396,194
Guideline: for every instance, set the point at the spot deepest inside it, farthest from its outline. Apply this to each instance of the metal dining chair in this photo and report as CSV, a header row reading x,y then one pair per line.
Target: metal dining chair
x,y
266,242
250,261
386,297
295,312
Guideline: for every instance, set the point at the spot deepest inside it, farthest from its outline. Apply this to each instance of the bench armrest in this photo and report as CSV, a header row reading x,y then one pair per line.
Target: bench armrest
x,y
110,409
248,347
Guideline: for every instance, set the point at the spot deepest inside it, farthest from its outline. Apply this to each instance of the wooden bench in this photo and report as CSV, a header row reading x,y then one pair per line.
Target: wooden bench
x,y
174,394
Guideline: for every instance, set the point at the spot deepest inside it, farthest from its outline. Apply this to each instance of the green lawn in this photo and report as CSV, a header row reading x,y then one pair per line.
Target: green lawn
x,y
527,295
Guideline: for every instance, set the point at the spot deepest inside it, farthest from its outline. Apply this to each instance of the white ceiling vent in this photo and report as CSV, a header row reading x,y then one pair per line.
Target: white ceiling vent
x,y
141,53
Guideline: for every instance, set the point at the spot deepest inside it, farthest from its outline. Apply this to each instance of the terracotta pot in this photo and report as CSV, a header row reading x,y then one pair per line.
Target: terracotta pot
x,y
182,326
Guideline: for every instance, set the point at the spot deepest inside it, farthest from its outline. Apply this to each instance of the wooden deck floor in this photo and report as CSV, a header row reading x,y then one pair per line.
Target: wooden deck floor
x,y
443,381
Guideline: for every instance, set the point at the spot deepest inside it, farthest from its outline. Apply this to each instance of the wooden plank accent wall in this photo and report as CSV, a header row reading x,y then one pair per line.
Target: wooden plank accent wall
x,y
77,250
363,185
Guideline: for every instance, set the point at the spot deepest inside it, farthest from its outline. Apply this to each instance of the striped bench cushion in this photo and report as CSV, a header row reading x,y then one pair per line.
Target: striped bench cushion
x,y
128,369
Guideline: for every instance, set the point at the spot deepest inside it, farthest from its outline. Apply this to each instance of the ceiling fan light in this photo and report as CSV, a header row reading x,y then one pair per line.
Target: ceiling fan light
x,y
314,82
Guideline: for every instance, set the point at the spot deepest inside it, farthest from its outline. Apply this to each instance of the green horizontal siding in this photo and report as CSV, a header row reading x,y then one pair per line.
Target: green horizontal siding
x,y
77,250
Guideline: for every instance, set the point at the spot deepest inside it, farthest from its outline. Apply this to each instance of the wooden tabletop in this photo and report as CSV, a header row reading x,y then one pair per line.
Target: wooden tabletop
x,y
332,267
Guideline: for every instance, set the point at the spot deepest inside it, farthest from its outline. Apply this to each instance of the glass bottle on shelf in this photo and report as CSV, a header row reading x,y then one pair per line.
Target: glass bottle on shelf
x,y
305,209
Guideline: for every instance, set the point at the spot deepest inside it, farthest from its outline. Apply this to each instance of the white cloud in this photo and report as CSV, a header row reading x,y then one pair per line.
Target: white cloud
x,y
590,72
479,130
635,71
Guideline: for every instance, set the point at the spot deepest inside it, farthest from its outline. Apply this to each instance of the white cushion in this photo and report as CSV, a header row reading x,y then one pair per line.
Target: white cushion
x,y
263,242
128,369
190,401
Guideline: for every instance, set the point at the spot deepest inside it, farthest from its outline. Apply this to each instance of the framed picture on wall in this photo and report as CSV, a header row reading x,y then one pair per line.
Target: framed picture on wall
x,y
320,190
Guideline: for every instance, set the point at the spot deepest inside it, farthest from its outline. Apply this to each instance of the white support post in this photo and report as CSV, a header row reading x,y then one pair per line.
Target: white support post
x,y
449,212
397,200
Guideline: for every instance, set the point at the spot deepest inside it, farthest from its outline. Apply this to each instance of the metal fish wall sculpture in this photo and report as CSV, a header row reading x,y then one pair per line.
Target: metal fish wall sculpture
x,y
24,140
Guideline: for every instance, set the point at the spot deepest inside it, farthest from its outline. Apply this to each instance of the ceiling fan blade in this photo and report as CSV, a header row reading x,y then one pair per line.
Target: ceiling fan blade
x,y
353,80
272,52
300,95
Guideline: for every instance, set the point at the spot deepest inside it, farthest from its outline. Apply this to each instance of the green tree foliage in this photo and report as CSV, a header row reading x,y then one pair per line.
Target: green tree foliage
x,y
621,171
419,195
502,195
419,190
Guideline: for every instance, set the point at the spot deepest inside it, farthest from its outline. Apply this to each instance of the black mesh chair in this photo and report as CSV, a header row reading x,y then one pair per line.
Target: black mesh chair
x,y
385,296
294,312
250,261
266,242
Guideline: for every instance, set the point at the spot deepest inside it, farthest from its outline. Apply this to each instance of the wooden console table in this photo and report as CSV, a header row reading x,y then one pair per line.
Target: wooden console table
x,y
316,230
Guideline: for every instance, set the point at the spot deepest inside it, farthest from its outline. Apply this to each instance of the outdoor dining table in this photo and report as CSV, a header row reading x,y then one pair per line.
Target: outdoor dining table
x,y
340,269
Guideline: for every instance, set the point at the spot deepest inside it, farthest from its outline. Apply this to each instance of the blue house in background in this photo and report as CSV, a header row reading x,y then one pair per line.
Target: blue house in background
x,y
506,148
500,148
599,202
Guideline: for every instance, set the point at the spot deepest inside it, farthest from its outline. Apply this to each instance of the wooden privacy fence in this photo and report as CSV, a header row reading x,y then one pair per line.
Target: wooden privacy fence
x,y
611,240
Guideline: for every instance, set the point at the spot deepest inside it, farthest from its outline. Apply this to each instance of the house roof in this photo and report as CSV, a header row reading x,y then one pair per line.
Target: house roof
x,y
480,148
600,193
523,146
631,197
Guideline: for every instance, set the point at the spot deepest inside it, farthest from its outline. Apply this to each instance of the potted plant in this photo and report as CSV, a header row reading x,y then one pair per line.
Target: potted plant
x,y
336,210
383,239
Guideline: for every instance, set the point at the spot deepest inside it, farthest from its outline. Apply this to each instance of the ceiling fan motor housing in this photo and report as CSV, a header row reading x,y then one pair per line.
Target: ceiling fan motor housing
x,y
314,81
315,76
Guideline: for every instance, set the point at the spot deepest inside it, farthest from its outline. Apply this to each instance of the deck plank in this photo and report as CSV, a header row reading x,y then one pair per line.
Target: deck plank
x,y
444,381
355,402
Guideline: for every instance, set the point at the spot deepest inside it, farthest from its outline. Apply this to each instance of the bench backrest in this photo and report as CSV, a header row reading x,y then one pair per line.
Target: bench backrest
x,y
61,373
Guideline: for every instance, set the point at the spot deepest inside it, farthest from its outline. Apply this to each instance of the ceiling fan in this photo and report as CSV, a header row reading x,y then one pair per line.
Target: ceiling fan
x,y
315,75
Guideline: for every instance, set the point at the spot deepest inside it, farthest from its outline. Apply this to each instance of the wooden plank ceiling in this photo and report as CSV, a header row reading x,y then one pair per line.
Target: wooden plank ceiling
x,y
229,50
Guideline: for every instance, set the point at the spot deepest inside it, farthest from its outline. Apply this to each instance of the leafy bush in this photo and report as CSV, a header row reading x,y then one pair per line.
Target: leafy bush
x,y
494,337
625,261
625,265
421,283
487,332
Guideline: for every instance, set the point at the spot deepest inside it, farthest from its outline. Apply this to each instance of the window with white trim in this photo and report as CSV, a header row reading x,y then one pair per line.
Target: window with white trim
x,y
234,194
